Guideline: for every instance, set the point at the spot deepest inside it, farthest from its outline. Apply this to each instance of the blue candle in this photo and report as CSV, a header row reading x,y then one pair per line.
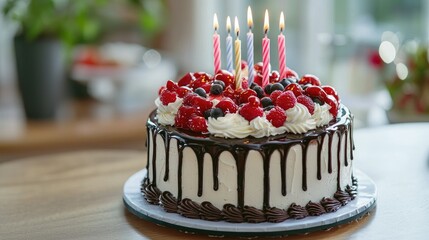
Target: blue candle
x,y
250,46
229,65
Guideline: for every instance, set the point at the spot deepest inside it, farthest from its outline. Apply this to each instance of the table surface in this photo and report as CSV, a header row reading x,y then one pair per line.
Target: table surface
x,y
78,195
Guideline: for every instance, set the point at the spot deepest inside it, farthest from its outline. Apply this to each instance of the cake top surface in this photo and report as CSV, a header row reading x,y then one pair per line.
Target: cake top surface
x,y
213,105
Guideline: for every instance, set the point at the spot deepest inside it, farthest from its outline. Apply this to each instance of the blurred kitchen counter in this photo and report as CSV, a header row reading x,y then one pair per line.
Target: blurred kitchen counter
x,y
85,124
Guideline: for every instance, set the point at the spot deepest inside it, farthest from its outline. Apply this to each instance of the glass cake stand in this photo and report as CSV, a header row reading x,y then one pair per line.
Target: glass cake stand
x,y
364,202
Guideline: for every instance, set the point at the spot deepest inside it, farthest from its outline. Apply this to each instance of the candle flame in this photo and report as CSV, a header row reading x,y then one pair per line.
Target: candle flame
x,y
215,22
266,22
249,18
282,21
236,26
228,24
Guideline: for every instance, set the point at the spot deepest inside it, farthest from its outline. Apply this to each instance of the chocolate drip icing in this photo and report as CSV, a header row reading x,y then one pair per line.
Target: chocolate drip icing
x,y
304,164
253,215
167,155
168,202
331,136
276,215
154,134
330,204
283,157
232,214
151,193
343,197
297,212
346,163
210,212
315,209
339,161
320,141
189,208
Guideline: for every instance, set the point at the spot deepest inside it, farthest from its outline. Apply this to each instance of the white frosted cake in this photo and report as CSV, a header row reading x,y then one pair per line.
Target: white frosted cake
x,y
250,154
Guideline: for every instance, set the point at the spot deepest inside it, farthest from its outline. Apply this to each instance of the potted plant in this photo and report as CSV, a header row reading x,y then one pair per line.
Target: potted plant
x,y
47,31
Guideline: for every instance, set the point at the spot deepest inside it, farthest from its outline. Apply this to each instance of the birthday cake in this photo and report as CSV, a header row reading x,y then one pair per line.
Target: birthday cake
x,y
219,151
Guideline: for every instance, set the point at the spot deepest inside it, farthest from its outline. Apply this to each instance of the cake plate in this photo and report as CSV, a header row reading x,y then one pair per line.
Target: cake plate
x,y
363,203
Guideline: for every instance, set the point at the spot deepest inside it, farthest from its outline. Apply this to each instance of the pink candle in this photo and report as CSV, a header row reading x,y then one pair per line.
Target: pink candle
x,y
216,45
282,48
266,53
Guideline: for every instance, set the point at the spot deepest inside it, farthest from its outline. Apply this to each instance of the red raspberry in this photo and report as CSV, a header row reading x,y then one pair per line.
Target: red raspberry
x,y
276,116
258,79
291,74
295,88
286,100
186,79
309,79
244,95
203,75
254,101
274,76
226,77
201,104
206,87
274,95
167,97
172,86
183,91
227,106
161,89
306,101
244,83
183,115
331,91
198,124
188,100
250,112
199,82
229,93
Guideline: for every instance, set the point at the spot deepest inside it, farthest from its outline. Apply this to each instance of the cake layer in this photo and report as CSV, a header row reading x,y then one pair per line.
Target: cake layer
x,y
271,174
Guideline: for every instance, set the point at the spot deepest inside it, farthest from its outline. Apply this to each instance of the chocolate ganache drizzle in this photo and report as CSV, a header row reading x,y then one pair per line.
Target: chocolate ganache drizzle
x,y
239,148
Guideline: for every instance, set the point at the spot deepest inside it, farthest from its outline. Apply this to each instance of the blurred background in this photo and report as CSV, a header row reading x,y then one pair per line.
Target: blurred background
x,y
83,74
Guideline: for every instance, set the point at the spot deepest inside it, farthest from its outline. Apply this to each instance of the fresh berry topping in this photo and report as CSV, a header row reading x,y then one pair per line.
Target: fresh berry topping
x,y
216,89
207,113
266,101
186,80
295,88
257,79
219,82
309,79
306,101
268,108
202,103
167,97
243,64
259,91
267,88
258,67
183,91
274,76
286,100
286,81
200,81
244,83
331,91
244,95
332,102
250,112
161,89
172,86
227,106
216,112
229,93
198,124
277,86
202,75
206,87
316,91
291,74
274,95
201,92
226,77
183,115
276,116
254,101
188,100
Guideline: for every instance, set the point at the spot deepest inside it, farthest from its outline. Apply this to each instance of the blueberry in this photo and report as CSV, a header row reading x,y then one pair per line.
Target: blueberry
x,y
284,82
267,88
253,85
216,89
216,112
268,108
220,83
292,80
277,86
200,91
259,91
318,100
266,101
207,113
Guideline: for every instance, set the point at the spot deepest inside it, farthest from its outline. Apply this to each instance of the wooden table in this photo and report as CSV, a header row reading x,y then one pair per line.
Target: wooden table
x,y
78,195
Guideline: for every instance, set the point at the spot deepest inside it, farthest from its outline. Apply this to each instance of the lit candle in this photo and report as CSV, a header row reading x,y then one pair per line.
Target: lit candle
x,y
229,66
250,46
237,45
282,48
266,53
216,45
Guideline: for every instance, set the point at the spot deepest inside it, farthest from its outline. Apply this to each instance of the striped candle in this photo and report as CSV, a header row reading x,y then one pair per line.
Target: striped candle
x,y
229,66
266,53
282,48
250,47
237,45
216,46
